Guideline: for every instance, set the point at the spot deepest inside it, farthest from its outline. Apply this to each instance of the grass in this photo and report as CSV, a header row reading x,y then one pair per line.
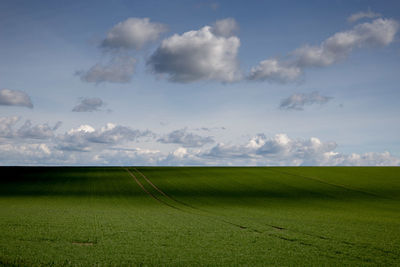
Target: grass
x,y
183,216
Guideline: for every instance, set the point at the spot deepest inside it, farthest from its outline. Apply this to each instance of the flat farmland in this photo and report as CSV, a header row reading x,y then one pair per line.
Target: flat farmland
x,y
200,216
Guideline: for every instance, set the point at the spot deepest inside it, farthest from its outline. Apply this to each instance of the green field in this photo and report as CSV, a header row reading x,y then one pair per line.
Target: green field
x,y
184,216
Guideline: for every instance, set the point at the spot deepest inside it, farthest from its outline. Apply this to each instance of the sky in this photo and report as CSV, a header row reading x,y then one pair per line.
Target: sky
x,y
258,83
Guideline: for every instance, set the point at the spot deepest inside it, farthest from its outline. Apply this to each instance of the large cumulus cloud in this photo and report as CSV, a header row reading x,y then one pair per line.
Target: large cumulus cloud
x,y
209,53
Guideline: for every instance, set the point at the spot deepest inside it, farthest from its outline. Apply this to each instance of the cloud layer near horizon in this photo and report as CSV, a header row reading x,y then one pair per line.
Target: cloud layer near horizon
x,y
121,145
186,139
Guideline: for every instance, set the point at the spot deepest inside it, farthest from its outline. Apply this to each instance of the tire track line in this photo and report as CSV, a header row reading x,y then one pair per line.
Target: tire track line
x,y
163,193
183,203
209,214
215,216
196,210
331,184
148,192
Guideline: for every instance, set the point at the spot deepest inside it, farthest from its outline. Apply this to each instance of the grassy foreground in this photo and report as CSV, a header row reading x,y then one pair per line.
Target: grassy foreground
x,y
281,216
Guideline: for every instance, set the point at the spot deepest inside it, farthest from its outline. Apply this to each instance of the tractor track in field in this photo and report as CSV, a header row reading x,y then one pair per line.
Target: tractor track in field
x,y
197,211
209,214
212,215
163,193
148,192
384,251
331,184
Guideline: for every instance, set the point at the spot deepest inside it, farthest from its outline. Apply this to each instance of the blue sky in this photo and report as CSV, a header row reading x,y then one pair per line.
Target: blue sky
x,y
199,83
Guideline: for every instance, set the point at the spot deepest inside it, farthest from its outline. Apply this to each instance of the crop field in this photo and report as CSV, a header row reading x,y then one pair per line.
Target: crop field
x,y
188,216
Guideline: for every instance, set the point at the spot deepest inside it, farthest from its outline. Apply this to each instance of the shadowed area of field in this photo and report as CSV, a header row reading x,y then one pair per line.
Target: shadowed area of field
x,y
199,216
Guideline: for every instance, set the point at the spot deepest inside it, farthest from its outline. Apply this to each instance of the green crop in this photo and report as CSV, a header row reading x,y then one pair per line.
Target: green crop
x,y
200,216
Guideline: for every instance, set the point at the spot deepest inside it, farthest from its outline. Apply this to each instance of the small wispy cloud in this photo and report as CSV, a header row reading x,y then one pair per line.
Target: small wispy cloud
x,y
119,69
363,14
126,36
133,33
186,139
297,101
89,104
15,98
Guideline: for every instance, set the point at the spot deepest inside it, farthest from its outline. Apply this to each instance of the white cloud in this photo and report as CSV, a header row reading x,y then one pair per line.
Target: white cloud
x,y
31,154
121,145
363,14
7,126
88,104
82,129
182,157
274,70
133,33
39,131
119,70
36,150
85,137
15,98
27,130
186,139
282,150
198,55
307,151
366,159
130,157
75,139
180,152
209,129
225,27
297,101
380,32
